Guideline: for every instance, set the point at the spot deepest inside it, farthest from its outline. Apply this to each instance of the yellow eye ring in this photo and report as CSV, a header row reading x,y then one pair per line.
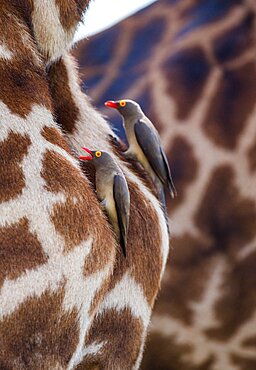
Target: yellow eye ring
x,y
98,154
122,103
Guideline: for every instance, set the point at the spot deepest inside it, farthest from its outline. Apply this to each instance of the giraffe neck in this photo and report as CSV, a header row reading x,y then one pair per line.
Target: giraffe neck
x,y
65,291
54,24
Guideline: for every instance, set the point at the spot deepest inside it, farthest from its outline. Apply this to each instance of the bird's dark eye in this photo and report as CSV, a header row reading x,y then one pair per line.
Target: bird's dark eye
x,y
98,154
122,103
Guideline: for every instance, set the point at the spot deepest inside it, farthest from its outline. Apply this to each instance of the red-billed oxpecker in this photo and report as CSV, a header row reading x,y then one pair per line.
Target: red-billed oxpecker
x,y
112,191
145,145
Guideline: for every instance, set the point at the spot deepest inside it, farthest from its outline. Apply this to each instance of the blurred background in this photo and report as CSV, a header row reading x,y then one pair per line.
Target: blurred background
x,y
191,66
103,14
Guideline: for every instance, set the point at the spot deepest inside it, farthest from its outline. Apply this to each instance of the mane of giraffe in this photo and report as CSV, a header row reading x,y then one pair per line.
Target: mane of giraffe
x,y
68,298
191,65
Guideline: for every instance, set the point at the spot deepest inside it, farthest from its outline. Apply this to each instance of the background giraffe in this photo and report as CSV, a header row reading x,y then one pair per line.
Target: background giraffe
x,y
191,65
65,288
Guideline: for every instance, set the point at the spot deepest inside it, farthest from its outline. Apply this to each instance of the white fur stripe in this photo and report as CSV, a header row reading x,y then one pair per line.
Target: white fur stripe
x,y
5,53
53,40
50,276
127,294
83,295
139,359
93,348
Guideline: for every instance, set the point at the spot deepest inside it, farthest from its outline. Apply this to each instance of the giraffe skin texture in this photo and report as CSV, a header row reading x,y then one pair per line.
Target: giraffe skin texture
x,y
68,298
191,66
104,345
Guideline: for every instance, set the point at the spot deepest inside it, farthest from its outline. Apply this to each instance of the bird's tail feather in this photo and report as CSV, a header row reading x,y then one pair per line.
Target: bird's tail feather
x,y
172,189
161,196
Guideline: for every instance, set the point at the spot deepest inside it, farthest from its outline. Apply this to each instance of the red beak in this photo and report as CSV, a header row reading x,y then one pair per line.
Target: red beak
x,y
86,158
111,104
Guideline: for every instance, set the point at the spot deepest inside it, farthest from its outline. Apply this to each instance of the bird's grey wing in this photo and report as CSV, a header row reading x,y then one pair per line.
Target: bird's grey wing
x,y
151,147
171,186
122,202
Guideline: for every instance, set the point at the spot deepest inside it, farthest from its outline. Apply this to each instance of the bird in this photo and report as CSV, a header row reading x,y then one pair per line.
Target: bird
x,y
112,191
145,145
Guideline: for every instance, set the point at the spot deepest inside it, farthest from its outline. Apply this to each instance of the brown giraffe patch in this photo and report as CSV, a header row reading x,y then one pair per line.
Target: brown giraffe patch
x,y
186,73
228,113
104,243
12,152
252,156
86,366
70,222
144,238
122,333
23,9
190,266
251,342
24,76
243,362
65,109
71,11
89,171
164,353
237,40
184,168
39,330
81,211
236,306
61,175
188,250
23,87
20,250
227,218
53,135
83,221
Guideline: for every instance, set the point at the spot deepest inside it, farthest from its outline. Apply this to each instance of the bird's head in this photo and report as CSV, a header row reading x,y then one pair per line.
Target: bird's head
x,y
98,157
126,107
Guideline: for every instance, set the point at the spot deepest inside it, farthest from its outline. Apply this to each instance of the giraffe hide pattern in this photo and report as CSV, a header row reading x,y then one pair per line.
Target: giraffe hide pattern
x,y
68,299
